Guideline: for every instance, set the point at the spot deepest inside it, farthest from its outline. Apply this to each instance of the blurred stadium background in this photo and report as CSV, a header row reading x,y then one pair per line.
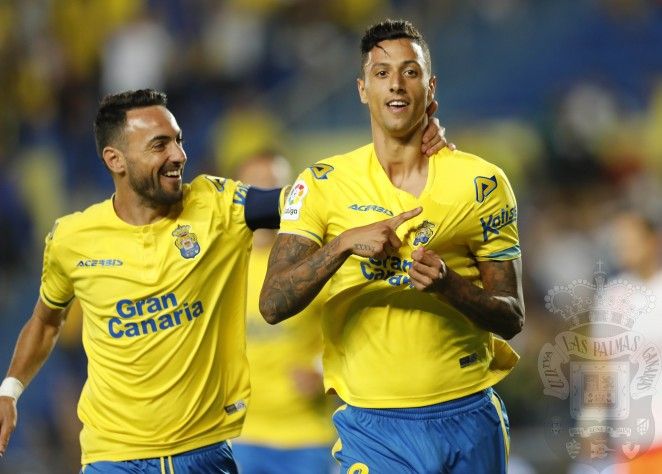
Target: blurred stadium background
x,y
566,96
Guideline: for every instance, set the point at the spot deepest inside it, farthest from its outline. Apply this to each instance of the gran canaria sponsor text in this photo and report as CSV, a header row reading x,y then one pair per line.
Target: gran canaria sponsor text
x,y
164,312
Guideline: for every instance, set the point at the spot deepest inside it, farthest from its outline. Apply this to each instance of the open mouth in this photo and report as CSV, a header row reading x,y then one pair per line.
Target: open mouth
x,y
397,105
172,174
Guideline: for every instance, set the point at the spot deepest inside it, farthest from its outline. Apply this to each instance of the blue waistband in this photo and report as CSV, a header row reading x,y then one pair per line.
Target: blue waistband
x,y
438,410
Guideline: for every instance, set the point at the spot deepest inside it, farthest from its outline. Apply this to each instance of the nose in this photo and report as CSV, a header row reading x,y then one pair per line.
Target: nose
x,y
396,83
178,154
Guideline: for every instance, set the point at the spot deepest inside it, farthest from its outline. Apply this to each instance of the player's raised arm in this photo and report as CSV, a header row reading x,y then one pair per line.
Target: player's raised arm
x,y
498,307
299,268
34,345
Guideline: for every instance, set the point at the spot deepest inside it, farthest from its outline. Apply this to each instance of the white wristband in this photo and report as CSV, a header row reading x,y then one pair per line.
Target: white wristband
x,y
11,387
443,271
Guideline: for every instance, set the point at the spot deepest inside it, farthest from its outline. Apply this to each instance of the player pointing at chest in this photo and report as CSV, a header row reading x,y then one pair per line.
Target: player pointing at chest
x,y
424,262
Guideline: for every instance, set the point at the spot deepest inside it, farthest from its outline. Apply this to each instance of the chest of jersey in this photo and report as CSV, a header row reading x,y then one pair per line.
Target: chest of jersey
x,y
361,202
153,278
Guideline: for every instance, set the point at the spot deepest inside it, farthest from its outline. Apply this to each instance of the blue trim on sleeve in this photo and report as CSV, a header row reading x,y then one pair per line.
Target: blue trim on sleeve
x,y
507,254
314,235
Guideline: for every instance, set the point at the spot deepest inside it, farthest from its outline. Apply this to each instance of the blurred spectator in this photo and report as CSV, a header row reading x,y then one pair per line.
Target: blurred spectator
x,y
636,244
288,426
136,56
244,130
16,234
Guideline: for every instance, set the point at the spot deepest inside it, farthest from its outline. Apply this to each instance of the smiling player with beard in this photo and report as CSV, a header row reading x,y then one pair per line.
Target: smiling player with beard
x,y
160,272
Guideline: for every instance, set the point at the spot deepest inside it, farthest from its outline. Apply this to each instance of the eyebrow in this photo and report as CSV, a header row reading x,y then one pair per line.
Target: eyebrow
x,y
404,63
162,137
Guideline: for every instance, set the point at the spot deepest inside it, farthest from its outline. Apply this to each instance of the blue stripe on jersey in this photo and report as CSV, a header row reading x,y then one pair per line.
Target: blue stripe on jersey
x,y
512,252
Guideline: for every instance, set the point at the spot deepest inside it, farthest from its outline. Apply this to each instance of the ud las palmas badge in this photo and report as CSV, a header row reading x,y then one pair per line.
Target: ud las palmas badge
x,y
186,241
600,374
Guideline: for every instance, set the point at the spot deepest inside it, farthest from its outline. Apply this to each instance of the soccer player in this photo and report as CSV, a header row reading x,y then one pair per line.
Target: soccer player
x,y
160,273
287,428
418,294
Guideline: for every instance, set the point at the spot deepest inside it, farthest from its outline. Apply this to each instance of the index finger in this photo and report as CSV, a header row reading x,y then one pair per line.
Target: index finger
x,y
4,437
397,221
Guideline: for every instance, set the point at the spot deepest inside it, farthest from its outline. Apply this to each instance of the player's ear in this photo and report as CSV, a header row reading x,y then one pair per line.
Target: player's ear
x,y
114,159
360,83
432,87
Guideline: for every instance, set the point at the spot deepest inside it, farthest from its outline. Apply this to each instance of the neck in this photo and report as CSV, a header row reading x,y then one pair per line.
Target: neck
x,y
402,159
133,210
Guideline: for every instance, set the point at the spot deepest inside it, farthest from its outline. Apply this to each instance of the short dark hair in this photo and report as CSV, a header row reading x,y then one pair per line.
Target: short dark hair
x,y
389,30
111,117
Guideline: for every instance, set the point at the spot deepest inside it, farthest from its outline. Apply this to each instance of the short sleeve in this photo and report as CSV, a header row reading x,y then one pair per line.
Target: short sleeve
x,y
493,234
304,209
228,198
56,287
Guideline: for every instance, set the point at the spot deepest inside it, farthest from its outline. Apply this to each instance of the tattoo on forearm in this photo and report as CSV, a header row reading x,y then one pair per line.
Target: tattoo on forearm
x,y
497,307
298,269
363,247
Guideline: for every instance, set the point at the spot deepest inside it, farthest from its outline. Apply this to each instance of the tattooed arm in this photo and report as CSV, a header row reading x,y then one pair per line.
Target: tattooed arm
x,y
498,307
299,268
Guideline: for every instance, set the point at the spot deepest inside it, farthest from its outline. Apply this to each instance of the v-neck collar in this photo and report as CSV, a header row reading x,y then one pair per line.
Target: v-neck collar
x,y
376,169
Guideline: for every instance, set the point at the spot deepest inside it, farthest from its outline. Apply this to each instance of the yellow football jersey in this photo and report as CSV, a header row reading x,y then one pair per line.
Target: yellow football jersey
x,y
279,415
387,344
163,321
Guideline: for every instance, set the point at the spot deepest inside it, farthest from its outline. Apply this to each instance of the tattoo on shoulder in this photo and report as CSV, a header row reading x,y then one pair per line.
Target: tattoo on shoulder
x,y
289,249
498,276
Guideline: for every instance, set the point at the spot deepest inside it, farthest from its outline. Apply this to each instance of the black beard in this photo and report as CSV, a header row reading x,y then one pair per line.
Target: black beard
x,y
152,193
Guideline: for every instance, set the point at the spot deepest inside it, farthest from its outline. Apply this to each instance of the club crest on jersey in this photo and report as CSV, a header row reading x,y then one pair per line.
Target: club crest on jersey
x,y
186,241
484,186
423,233
320,170
294,201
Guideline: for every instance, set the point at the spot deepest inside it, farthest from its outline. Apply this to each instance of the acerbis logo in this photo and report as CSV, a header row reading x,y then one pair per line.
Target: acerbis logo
x,y
108,262
370,207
